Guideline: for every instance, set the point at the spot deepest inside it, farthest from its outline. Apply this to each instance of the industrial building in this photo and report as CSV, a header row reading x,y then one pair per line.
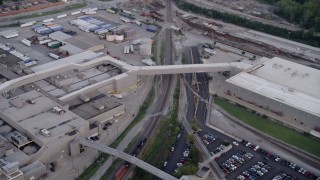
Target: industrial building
x,y
284,88
38,123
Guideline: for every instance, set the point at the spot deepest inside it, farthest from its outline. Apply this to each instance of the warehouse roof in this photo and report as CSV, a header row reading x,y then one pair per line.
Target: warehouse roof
x,y
278,92
292,75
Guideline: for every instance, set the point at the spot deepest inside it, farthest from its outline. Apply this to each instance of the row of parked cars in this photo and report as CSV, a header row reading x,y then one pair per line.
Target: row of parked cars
x,y
208,138
217,150
283,176
235,161
269,155
256,171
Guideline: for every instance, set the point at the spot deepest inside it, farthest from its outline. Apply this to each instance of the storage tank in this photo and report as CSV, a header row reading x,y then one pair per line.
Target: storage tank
x,y
110,37
119,38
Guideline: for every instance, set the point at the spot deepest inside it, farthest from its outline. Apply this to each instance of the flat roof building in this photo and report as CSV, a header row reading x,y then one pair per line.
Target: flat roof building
x,y
283,87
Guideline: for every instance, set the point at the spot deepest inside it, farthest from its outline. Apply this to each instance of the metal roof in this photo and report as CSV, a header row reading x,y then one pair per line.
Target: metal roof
x,y
278,92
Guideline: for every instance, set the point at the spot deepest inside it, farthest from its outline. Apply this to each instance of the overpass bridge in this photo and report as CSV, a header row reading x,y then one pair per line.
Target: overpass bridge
x,y
133,160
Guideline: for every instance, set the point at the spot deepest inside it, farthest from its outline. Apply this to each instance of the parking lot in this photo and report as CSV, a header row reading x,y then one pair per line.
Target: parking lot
x,y
278,166
41,52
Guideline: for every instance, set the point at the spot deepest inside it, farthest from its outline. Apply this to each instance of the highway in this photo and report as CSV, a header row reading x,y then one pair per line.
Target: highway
x,y
114,152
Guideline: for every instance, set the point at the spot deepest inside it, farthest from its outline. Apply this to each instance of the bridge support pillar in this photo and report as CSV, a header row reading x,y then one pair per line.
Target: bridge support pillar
x,y
75,148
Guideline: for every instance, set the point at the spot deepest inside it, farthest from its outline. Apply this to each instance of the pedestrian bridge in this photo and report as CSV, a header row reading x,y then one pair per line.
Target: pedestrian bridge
x,y
121,82
133,160
189,68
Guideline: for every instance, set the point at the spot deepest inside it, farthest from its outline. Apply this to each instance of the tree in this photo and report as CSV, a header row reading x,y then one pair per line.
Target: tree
x,y
195,155
1,2
194,125
190,138
243,52
188,169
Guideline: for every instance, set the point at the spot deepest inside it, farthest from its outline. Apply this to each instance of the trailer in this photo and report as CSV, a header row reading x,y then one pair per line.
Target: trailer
x,y
26,42
126,49
102,31
111,11
138,22
54,56
131,48
210,51
30,63
48,20
45,41
28,24
62,16
126,20
148,62
75,13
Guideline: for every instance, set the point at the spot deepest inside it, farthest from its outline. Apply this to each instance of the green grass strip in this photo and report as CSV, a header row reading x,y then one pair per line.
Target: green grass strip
x,y
278,131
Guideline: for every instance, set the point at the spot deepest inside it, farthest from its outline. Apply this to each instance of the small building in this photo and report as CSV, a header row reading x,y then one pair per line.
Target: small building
x,y
9,33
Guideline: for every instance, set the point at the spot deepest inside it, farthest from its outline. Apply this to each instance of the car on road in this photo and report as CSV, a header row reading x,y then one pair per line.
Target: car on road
x,y
165,164
235,143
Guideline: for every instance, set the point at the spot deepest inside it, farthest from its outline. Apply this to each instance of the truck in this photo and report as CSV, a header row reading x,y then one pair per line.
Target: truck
x,y
111,11
152,28
62,16
75,13
137,22
48,20
26,42
54,56
28,24
148,62
126,20
54,44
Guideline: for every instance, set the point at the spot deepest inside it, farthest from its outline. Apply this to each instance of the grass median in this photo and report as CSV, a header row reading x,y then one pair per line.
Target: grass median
x,y
290,136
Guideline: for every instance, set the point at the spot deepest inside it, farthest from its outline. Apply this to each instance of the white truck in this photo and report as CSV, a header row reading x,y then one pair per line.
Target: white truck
x,y
26,42
137,22
54,56
148,62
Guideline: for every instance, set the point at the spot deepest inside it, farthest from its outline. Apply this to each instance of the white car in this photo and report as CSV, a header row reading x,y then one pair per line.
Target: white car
x,y
165,164
235,143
